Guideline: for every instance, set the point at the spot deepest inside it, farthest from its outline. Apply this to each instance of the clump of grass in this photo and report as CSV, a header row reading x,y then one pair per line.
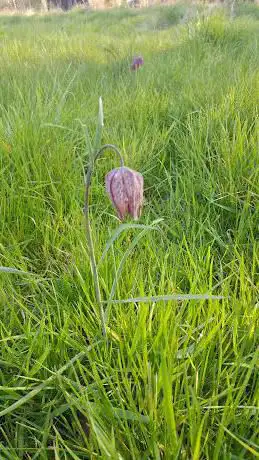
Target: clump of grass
x,y
177,379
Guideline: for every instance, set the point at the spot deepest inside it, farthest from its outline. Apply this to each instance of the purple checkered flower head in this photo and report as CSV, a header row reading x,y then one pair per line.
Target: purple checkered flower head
x,y
137,62
125,189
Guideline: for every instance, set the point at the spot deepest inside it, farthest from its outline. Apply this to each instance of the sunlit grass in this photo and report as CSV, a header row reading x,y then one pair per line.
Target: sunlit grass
x,y
178,379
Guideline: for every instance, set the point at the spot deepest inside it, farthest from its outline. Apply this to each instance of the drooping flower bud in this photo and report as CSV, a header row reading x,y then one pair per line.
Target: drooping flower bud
x,y
125,188
137,62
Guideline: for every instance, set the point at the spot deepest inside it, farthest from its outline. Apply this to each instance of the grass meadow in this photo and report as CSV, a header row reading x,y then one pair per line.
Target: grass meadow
x,y
176,379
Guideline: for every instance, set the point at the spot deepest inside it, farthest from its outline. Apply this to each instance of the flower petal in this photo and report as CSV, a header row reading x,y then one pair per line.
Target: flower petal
x,y
125,188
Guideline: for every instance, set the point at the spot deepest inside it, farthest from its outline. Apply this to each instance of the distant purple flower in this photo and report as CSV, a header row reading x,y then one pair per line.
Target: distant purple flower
x,y
137,62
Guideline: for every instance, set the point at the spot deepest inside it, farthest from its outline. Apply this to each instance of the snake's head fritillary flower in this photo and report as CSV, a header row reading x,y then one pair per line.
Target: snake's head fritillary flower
x,y
137,62
125,189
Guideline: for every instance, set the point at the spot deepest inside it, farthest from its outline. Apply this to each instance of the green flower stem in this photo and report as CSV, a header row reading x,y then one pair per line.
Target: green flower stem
x,y
88,229
109,147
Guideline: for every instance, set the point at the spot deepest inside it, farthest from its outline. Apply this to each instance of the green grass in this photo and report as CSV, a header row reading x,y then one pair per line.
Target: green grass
x,y
177,380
